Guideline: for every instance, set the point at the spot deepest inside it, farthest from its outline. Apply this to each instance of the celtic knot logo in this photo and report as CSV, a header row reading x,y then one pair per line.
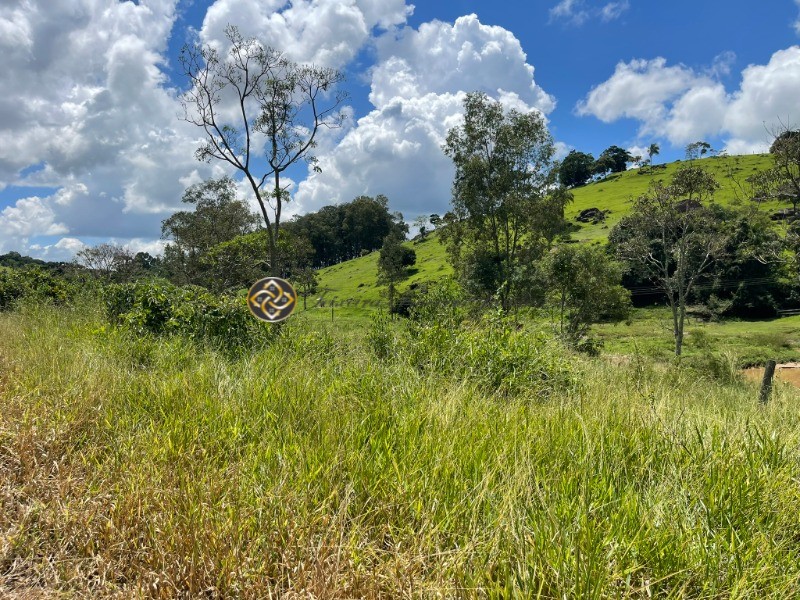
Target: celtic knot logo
x,y
271,299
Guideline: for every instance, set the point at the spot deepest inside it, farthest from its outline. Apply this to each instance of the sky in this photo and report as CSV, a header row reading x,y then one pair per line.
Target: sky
x,y
93,149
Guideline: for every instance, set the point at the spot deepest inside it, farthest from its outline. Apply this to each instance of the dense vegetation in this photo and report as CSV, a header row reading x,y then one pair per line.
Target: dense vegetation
x,y
442,456
157,441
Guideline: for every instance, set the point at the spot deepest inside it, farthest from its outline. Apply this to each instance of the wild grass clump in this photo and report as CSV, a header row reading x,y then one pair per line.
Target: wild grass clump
x,y
492,351
312,469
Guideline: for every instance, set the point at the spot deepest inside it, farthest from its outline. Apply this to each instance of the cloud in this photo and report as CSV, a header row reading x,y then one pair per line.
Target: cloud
x,y
614,10
683,106
88,111
325,32
576,12
570,11
638,90
417,89
797,23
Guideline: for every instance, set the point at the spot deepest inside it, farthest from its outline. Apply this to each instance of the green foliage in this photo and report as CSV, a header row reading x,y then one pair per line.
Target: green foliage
x,y
380,336
35,284
697,150
613,159
505,208
393,263
161,308
217,217
346,231
672,239
576,169
494,353
584,288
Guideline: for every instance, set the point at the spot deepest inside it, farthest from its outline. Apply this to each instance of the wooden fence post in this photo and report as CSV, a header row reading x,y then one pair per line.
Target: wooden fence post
x,y
766,383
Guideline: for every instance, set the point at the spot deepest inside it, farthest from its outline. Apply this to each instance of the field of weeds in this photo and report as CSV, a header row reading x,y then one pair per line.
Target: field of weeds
x,y
318,466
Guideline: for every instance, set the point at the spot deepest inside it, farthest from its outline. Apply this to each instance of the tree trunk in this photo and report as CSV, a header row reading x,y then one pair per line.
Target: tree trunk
x,y
677,327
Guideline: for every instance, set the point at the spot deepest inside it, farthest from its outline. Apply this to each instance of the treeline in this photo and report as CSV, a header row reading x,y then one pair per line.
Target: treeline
x,y
220,245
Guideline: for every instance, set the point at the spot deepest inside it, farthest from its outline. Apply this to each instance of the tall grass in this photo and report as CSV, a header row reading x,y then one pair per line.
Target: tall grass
x,y
152,467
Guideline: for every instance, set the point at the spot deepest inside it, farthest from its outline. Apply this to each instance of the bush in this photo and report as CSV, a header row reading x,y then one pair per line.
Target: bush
x,y
494,353
161,308
37,285
380,337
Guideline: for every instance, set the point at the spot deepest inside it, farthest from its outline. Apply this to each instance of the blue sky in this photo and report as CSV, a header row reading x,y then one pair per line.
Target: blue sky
x,y
91,147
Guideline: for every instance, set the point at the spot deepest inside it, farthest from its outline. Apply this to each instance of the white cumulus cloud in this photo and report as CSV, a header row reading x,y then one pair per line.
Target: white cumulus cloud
x,y
682,105
325,32
417,90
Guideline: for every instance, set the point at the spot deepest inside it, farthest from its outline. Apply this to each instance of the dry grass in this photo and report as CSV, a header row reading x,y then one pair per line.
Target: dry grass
x,y
135,467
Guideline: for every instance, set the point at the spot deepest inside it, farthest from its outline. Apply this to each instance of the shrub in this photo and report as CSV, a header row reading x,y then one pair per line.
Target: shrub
x,y
494,353
380,337
161,308
37,285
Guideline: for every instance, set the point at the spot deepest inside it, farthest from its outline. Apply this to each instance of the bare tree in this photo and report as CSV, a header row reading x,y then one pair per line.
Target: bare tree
x,y
253,100
673,239
106,261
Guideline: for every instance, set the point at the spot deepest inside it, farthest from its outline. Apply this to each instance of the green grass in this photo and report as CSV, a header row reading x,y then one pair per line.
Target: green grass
x,y
649,333
356,280
616,192
151,467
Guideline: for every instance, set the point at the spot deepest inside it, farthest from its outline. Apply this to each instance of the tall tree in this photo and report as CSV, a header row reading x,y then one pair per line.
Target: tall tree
x,y
253,98
506,206
107,261
673,239
576,168
697,150
393,263
217,217
652,150
613,159
785,151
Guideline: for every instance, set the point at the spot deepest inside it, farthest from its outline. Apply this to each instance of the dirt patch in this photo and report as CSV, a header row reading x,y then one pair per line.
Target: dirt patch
x,y
786,372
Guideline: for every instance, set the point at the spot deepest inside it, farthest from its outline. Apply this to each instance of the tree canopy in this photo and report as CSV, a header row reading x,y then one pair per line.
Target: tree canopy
x,y
506,205
576,169
251,100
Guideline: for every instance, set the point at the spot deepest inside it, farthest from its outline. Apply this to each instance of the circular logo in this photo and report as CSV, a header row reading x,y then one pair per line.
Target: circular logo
x,y
271,299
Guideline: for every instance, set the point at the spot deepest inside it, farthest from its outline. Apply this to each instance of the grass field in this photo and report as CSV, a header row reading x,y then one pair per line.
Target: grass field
x,y
151,467
356,280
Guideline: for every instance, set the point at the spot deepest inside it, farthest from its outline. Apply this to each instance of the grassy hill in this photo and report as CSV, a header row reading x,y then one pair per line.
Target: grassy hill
x,y
356,280
616,192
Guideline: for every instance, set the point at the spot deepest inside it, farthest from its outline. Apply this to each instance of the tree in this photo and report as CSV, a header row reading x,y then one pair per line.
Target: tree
x,y
305,281
785,150
613,159
217,217
576,169
435,220
697,149
584,288
344,231
421,223
393,263
672,239
652,150
107,261
506,206
252,98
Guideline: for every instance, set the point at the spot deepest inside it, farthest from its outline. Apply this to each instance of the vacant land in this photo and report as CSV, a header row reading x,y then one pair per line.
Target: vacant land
x,y
143,466
356,279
